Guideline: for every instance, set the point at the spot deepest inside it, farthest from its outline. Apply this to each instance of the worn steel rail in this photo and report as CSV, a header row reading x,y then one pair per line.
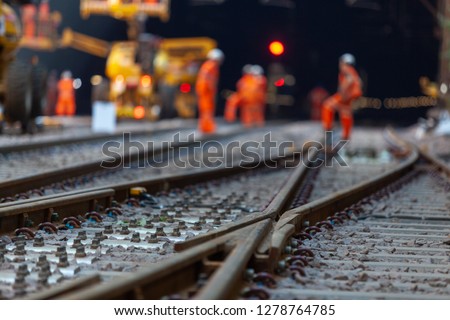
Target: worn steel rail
x,y
23,184
255,240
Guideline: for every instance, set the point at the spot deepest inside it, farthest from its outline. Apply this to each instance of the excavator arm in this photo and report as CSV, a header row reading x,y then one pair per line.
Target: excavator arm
x,y
82,42
126,9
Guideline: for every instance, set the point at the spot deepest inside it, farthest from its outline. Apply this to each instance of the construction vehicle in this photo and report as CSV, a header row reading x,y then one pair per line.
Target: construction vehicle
x,y
22,84
147,75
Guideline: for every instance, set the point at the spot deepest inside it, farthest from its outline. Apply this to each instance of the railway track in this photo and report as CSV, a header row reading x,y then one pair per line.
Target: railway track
x,y
244,256
216,259
66,171
135,227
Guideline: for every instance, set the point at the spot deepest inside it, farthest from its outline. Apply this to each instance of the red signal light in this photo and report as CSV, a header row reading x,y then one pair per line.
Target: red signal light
x,y
276,48
279,82
185,88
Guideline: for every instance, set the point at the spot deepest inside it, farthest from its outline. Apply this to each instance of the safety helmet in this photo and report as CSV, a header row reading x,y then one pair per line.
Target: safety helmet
x,y
348,58
257,70
216,54
66,74
247,69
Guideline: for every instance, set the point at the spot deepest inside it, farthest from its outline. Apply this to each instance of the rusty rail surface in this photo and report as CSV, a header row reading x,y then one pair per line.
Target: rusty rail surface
x,y
258,231
229,250
12,187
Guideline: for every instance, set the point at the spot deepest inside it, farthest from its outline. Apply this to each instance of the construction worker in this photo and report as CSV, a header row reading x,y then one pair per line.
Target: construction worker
x,y
349,89
250,97
206,89
66,95
29,20
316,97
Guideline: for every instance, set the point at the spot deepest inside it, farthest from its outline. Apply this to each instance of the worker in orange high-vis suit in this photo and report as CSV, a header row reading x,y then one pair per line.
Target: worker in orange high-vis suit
x,y
349,89
66,95
206,89
250,97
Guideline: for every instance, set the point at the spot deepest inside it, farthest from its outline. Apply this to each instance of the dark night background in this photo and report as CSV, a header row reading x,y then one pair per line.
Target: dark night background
x,y
393,40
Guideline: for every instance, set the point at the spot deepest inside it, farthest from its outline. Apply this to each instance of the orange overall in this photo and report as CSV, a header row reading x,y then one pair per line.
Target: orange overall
x,y
251,98
316,98
28,20
349,90
206,88
66,98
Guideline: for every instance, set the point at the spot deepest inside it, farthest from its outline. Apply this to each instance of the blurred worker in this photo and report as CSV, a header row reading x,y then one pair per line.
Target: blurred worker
x,y
250,97
316,98
29,20
206,88
66,95
349,89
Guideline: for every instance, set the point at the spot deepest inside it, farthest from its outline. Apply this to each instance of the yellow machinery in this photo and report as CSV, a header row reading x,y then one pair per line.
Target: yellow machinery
x,y
147,71
176,66
22,84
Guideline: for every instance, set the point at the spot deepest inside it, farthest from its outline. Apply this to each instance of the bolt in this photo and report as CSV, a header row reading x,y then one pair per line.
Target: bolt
x,y
63,261
178,213
41,260
281,266
176,232
100,236
124,230
136,237
19,285
217,221
3,248
181,225
76,243
160,232
38,242
61,250
249,274
197,226
287,249
82,235
54,217
80,253
20,249
133,223
45,269
42,279
22,270
148,224
153,238
108,229
20,239
95,243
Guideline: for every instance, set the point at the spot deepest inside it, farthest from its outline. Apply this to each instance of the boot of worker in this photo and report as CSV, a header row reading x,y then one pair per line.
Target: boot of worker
x,y
347,124
246,116
327,117
206,124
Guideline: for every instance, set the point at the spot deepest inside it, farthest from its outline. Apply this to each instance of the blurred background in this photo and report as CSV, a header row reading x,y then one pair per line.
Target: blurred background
x,y
395,43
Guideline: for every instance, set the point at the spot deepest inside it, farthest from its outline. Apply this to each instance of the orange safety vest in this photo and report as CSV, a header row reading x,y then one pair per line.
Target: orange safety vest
x,y
207,77
349,83
65,88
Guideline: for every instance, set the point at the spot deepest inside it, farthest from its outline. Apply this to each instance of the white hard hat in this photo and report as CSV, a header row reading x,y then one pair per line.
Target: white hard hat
x,y
66,74
247,69
216,54
348,58
257,70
